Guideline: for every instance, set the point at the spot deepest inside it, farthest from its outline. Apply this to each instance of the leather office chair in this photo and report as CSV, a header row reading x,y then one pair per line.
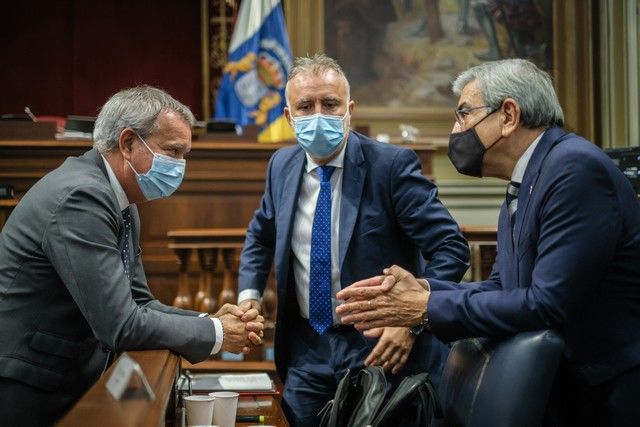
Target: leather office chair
x,y
507,382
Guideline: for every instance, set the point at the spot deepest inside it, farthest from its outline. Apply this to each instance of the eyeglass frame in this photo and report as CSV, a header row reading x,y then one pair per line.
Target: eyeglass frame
x,y
461,113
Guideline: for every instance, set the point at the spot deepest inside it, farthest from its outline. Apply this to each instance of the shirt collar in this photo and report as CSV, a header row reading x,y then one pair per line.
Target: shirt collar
x,y
523,161
123,201
337,162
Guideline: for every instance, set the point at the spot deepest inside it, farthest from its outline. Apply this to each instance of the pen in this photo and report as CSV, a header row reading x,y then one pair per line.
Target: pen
x,y
250,419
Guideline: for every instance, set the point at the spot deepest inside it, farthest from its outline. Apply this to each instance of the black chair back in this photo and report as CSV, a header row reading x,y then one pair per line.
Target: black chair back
x,y
506,382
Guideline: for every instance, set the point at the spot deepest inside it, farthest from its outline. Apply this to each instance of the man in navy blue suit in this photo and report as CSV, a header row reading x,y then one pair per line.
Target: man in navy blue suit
x,y
337,207
568,248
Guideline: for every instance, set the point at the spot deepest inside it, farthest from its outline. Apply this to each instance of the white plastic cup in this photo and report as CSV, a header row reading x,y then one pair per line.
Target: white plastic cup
x,y
199,409
224,411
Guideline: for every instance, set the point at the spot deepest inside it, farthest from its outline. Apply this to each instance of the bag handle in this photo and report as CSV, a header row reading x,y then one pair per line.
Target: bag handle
x,y
419,386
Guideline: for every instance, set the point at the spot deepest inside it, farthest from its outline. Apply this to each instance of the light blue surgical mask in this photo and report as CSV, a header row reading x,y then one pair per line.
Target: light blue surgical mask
x,y
319,135
164,177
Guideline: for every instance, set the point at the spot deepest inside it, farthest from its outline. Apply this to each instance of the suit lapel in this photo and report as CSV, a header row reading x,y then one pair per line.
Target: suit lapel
x,y
549,139
94,156
287,209
353,177
505,245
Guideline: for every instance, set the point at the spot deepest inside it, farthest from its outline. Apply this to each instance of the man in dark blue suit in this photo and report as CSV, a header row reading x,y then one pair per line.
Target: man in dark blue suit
x,y
337,207
568,248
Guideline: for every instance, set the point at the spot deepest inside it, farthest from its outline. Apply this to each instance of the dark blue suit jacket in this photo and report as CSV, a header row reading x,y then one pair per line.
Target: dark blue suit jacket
x,y
575,266
390,214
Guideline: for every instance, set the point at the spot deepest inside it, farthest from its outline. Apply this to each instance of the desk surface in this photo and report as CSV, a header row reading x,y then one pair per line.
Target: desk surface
x,y
262,405
97,407
248,405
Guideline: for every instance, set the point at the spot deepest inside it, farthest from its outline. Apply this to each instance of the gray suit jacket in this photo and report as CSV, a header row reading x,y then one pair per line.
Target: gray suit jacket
x,y
64,295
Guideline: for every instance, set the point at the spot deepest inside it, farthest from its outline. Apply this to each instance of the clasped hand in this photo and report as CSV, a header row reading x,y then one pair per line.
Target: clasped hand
x,y
394,299
243,327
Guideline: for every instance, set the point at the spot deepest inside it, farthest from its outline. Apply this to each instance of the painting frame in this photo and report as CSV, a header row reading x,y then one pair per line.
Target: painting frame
x,y
572,72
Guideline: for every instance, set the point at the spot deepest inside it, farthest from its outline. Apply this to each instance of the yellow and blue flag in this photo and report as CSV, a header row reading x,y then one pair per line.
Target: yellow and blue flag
x,y
252,89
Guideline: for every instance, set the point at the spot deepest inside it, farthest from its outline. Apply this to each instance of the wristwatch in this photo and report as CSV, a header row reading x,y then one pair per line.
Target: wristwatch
x,y
422,326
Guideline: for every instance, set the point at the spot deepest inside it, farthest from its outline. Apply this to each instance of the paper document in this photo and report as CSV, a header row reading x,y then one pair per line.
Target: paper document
x,y
255,382
245,381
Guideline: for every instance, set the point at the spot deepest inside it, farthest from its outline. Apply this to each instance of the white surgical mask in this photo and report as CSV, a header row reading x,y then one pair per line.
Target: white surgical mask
x,y
320,135
164,177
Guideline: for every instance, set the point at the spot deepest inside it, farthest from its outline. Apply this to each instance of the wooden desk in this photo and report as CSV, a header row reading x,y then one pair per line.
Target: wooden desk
x,y
250,405
161,367
231,365
262,405
98,408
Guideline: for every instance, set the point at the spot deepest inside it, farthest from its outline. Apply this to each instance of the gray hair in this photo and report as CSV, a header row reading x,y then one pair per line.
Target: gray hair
x,y
137,108
317,65
520,80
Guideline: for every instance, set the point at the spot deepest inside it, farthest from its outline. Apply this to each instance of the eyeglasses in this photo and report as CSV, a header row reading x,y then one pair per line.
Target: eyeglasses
x,y
462,113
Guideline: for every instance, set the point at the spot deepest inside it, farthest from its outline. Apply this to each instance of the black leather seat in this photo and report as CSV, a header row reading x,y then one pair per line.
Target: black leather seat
x,y
507,382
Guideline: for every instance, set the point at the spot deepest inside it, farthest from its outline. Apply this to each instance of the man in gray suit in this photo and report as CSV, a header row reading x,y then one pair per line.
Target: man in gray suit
x,y
72,285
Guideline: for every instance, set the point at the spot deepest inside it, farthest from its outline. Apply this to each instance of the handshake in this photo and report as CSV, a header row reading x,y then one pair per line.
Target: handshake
x,y
242,327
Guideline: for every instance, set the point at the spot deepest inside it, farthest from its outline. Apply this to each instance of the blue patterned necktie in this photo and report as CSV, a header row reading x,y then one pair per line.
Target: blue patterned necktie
x,y
126,216
320,313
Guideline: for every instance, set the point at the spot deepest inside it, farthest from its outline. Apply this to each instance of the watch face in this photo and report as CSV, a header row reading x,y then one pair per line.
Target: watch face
x,y
417,330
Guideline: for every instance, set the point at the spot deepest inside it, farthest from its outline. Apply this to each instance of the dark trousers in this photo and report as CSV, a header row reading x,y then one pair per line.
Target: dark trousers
x,y
24,405
316,363
612,403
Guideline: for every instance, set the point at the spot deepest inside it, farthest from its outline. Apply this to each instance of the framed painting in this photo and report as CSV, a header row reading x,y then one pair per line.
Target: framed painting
x,y
401,56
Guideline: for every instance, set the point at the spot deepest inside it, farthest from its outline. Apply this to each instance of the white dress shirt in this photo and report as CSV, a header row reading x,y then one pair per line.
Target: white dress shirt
x,y
301,234
123,202
523,161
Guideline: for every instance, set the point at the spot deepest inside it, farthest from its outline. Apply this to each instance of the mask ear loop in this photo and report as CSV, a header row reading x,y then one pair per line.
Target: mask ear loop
x,y
148,148
476,132
145,144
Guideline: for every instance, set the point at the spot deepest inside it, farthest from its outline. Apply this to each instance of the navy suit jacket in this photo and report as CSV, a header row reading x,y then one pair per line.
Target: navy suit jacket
x,y
575,266
390,214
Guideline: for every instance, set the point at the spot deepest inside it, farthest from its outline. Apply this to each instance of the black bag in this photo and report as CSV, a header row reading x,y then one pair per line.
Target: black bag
x,y
360,402
414,403
357,400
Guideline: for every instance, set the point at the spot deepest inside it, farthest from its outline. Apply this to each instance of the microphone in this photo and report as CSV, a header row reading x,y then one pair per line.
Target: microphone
x,y
30,114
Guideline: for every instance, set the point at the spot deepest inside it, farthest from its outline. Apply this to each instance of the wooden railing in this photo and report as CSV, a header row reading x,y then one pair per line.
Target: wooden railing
x,y
210,245
218,253
482,242
6,206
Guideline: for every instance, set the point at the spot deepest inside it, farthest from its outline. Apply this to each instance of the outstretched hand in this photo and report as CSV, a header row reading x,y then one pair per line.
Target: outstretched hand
x,y
395,299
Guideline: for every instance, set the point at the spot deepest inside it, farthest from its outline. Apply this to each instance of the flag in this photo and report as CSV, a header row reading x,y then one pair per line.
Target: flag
x,y
252,89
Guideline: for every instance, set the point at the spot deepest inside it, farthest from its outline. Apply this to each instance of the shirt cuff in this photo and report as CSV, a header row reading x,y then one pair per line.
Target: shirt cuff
x,y
248,294
217,326
425,284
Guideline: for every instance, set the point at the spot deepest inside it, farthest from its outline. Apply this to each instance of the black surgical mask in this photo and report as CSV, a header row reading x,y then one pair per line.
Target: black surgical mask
x,y
466,151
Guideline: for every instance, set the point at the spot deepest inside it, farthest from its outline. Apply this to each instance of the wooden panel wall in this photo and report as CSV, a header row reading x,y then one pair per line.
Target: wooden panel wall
x,y
222,188
68,56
